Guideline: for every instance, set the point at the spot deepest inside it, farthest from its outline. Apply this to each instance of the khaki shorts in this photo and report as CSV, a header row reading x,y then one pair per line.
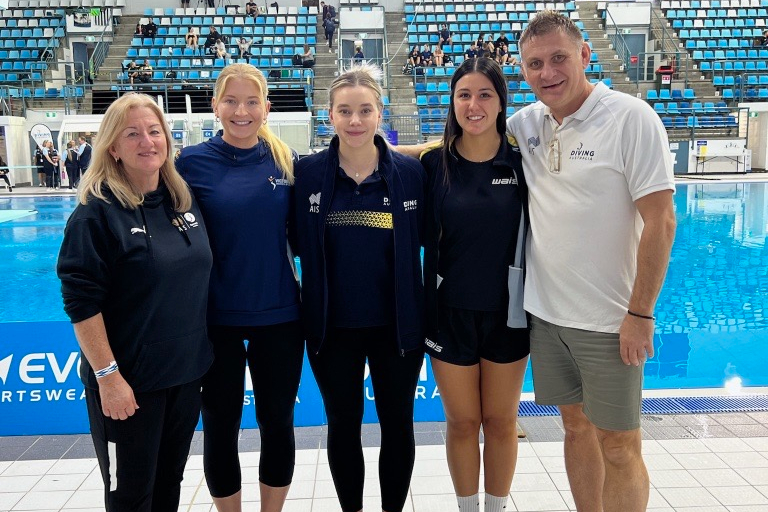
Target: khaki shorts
x,y
572,366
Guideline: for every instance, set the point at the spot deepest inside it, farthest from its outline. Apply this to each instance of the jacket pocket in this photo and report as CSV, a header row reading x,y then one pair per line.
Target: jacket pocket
x,y
171,361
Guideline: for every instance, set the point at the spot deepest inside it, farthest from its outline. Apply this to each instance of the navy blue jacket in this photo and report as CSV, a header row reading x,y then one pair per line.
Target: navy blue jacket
x,y
246,203
508,156
405,180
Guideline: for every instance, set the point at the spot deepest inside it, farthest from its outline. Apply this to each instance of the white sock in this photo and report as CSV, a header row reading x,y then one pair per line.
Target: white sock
x,y
469,503
495,503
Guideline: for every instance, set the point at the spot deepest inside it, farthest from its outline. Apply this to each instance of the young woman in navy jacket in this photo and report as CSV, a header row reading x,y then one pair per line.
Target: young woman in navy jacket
x,y
359,209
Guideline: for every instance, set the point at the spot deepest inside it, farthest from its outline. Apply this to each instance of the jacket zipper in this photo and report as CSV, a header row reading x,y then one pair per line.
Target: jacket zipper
x,y
394,247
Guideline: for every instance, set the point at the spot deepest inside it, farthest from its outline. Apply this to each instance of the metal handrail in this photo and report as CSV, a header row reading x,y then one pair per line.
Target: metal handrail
x,y
682,64
666,37
102,47
619,44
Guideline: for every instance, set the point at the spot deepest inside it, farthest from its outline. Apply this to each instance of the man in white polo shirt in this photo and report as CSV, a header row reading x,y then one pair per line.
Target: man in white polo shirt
x,y
600,182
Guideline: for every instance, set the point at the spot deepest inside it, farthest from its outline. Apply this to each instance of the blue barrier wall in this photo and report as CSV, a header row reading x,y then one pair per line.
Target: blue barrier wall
x,y
41,392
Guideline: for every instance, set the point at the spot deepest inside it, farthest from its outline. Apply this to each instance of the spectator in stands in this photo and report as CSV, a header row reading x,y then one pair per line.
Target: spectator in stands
x,y
330,10
83,155
210,41
132,71
480,41
765,37
444,35
472,52
150,29
329,25
502,39
221,50
415,57
243,48
145,75
488,50
142,333
426,56
192,38
40,164
5,174
362,295
438,58
139,30
251,9
308,57
71,164
502,54
246,173
478,361
358,57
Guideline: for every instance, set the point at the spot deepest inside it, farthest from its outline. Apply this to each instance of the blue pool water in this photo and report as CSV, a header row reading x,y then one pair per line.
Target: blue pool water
x,y
712,315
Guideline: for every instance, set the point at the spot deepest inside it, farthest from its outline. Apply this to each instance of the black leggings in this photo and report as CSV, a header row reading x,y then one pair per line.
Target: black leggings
x,y
275,355
339,370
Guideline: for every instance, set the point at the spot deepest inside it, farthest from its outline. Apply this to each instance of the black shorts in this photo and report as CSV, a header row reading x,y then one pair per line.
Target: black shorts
x,y
466,336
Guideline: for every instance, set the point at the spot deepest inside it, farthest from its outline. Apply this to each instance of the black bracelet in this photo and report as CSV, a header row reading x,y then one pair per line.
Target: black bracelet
x,y
638,315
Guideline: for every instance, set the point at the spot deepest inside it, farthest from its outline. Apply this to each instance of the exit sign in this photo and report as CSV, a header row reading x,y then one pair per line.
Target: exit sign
x,y
50,114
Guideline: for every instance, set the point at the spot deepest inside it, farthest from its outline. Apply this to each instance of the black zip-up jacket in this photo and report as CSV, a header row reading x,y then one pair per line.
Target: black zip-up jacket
x,y
508,157
405,180
146,271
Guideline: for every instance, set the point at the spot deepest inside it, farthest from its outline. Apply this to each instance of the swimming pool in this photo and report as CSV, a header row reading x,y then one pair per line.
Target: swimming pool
x,y
712,316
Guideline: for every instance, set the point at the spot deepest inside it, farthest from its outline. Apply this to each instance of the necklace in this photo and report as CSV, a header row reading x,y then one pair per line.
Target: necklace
x,y
360,173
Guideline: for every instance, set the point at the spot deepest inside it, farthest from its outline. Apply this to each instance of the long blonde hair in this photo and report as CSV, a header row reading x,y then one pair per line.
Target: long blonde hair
x,y
281,153
104,170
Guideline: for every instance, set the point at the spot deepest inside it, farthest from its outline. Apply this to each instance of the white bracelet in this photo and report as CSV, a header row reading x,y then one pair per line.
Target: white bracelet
x,y
112,368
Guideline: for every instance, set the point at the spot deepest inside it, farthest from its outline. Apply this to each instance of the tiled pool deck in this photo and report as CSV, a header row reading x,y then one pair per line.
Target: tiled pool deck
x,y
703,462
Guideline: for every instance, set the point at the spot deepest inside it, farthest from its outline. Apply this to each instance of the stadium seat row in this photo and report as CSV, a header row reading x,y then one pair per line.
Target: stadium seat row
x,y
706,4
469,6
716,13
724,121
666,94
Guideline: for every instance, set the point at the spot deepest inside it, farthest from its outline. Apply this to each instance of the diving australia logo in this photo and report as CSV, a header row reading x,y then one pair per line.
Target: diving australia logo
x,y
410,205
581,154
314,203
278,181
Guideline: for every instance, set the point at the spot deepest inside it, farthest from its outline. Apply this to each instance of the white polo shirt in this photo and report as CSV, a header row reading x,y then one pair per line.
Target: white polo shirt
x,y
581,257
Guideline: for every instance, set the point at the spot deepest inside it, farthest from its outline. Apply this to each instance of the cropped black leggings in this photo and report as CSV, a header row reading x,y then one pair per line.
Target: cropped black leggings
x,y
275,354
339,370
